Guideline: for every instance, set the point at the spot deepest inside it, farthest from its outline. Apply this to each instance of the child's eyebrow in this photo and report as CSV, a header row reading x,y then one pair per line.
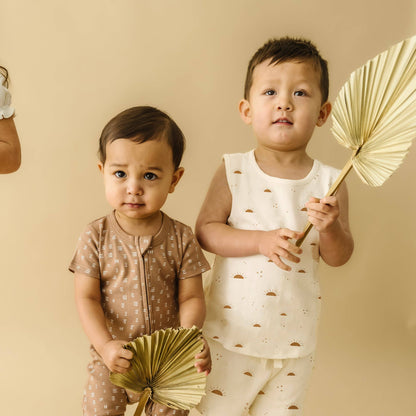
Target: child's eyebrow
x,y
123,165
118,165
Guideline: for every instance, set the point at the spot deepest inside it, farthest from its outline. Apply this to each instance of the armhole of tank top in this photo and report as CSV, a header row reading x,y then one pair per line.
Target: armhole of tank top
x,y
227,163
331,173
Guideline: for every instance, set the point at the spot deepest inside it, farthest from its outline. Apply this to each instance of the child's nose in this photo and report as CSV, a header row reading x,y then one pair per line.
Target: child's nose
x,y
134,188
284,107
284,103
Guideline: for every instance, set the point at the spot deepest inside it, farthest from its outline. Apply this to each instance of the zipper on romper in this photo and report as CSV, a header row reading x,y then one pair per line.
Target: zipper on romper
x,y
146,309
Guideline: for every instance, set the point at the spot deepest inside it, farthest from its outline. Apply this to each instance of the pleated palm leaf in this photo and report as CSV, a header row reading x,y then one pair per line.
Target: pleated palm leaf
x,y
374,115
163,369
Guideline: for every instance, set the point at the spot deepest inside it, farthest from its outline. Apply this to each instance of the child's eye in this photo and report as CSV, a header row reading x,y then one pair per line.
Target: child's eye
x,y
270,92
120,174
150,176
300,93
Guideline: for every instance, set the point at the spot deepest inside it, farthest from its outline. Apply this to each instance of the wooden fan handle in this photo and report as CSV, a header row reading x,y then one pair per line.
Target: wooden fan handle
x,y
334,188
147,393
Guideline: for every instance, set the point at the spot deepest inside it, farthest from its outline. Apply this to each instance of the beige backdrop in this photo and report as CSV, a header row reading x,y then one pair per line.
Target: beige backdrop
x,y
74,64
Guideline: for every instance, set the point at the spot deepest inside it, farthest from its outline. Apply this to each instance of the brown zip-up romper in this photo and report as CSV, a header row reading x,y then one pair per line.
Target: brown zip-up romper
x,y
139,293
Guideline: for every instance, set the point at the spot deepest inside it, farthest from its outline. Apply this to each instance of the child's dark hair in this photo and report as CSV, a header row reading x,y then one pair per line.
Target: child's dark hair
x,y
289,49
141,124
5,73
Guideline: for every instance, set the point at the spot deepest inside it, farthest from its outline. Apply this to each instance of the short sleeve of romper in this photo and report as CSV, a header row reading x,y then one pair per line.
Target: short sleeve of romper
x,y
193,260
138,274
86,257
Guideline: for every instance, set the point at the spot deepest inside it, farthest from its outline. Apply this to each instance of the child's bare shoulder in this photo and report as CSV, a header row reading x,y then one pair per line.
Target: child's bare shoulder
x,y
217,204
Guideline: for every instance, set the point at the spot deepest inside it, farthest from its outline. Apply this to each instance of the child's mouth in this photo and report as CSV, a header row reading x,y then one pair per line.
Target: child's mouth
x,y
284,121
131,205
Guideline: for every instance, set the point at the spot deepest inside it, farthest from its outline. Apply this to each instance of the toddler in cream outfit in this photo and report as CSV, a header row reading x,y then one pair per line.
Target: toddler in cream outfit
x,y
263,300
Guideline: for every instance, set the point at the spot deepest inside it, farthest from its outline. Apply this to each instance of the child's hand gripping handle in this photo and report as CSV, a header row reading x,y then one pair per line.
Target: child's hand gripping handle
x,y
331,192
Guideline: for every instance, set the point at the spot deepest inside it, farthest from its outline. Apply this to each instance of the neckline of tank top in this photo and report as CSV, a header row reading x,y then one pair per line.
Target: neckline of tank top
x,y
302,181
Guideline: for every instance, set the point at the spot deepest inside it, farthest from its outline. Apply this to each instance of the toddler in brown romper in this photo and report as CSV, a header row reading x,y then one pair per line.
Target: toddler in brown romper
x,y
137,270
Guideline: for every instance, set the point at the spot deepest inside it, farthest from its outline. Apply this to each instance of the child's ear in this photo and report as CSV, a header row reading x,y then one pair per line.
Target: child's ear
x,y
245,112
324,113
177,175
101,167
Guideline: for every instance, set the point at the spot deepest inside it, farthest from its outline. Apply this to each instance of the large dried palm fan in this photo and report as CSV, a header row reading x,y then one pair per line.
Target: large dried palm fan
x,y
163,369
374,115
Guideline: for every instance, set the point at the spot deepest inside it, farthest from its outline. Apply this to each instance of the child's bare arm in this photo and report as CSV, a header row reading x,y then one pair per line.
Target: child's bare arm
x,y
192,312
191,302
9,146
330,217
216,236
88,300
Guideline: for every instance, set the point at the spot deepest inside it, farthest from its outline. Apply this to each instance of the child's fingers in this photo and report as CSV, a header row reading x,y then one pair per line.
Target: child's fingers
x,y
203,362
287,255
323,204
323,219
122,363
319,216
317,207
279,263
116,357
120,367
203,366
287,243
205,353
202,355
286,233
330,200
312,199
316,216
320,211
280,244
287,247
125,353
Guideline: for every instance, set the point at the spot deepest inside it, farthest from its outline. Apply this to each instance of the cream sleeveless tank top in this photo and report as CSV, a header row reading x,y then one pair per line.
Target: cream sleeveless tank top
x,y
254,307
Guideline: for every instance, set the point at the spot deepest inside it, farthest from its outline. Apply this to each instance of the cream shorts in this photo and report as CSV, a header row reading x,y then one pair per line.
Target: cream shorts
x,y
241,385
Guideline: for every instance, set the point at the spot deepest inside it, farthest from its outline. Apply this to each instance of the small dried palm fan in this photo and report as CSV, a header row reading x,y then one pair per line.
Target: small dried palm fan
x,y
374,115
163,369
